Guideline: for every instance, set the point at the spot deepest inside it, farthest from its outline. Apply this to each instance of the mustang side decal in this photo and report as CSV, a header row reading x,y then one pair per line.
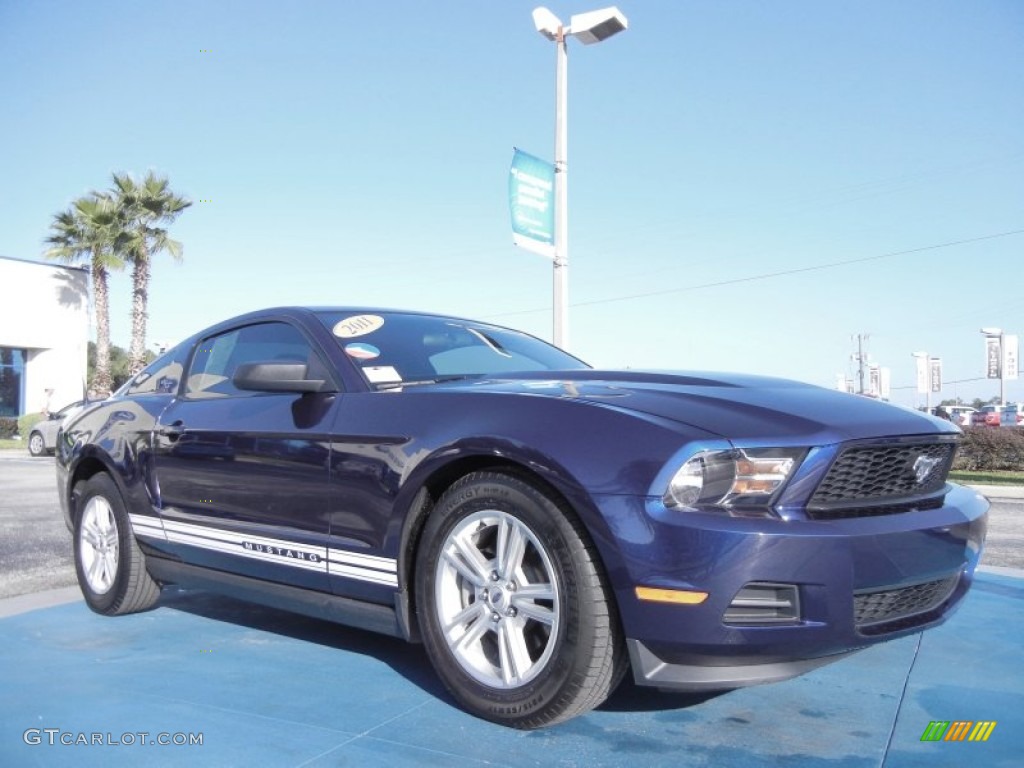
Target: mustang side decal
x,y
336,562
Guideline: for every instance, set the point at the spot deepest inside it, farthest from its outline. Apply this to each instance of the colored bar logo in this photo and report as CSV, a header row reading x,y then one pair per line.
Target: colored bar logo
x,y
958,730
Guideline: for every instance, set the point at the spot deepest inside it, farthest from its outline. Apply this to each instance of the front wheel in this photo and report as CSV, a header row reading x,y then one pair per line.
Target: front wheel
x,y
110,566
514,606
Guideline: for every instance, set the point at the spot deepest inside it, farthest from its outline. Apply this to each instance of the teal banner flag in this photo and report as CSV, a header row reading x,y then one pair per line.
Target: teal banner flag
x,y
531,200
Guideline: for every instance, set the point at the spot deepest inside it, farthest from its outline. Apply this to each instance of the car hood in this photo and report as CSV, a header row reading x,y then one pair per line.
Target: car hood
x,y
734,406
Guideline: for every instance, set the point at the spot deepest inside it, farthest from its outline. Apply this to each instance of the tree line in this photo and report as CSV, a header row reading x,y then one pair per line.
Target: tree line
x,y
109,230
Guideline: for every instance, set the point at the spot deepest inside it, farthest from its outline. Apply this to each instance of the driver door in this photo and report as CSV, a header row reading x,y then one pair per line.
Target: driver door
x,y
243,476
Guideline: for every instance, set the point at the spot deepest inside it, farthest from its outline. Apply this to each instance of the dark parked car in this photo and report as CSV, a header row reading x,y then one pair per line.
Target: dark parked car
x,y
540,526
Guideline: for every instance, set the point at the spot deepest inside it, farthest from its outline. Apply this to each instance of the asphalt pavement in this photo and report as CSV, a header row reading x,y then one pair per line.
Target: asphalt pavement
x,y
258,686
35,546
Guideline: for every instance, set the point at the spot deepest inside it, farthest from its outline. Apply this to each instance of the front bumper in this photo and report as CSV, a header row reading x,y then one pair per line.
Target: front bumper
x,y
847,575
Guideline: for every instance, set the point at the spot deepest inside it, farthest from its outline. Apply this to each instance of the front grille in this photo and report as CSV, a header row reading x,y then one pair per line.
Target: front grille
x,y
872,609
863,473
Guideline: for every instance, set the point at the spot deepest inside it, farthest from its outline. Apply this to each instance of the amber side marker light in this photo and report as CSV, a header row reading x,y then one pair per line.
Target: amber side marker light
x,y
678,596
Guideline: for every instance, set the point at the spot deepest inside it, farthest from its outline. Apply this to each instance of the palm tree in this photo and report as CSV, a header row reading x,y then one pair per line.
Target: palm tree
x,y
145,209
86,232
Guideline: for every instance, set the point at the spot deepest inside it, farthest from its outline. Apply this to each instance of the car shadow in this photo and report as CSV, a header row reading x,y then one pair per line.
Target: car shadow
x,y
407,659
630,697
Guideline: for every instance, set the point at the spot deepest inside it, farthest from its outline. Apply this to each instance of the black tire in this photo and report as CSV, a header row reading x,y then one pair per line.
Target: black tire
x,y
110,566
36,444
511,655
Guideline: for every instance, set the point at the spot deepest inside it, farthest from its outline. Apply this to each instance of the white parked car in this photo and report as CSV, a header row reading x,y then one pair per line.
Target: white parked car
x,y
43,437
958,414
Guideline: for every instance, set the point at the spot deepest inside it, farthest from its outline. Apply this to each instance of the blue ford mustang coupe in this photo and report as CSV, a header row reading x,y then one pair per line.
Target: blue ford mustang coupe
x,y
542,527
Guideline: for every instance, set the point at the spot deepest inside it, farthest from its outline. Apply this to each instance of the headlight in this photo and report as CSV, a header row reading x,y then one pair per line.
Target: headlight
x,y
735,479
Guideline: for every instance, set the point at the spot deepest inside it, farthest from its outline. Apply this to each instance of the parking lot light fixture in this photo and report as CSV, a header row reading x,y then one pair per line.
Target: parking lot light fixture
x,y
589,28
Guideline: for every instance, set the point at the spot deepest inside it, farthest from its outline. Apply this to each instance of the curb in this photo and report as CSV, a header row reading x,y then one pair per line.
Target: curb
x,y
1002,570
999,491
33,601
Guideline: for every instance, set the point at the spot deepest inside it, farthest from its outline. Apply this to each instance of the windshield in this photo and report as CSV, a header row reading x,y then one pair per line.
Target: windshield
x,y
393,349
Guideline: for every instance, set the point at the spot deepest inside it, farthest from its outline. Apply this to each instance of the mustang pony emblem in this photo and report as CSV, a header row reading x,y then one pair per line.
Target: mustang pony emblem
x,y
923,467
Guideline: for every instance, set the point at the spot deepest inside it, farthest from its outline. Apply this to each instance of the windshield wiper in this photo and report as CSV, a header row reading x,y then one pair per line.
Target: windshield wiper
x,y
422,382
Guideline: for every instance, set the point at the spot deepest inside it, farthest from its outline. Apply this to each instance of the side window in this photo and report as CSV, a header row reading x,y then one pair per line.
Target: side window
x,y
159,377
217,358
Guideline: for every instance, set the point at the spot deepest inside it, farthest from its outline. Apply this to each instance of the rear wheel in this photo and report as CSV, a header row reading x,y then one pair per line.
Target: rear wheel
x,y
36,444
110,566
514,606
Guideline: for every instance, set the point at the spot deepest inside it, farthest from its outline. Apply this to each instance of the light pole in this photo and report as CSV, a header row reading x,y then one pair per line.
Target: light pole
x,y
997,333
589,28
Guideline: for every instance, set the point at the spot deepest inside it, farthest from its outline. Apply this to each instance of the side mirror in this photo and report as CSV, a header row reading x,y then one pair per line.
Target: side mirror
x,y
275,377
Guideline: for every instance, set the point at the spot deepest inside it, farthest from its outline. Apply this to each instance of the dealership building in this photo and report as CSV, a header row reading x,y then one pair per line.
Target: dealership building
x,y
44,333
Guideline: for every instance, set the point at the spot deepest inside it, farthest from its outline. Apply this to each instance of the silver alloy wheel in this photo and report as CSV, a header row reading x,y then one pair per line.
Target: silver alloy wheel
x,y
497,599
98,545
36,446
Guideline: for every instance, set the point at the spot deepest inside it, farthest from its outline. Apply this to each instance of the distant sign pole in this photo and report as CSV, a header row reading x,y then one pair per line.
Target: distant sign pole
x,y
921,361
936,374
992,355
923,384
1011,356
996,358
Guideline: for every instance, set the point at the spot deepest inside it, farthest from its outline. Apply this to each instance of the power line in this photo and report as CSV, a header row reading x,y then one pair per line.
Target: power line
x,y
957,381
831,197
767,275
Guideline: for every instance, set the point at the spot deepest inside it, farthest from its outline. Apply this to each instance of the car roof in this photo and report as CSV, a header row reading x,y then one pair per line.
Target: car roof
x,y
296,311
315,309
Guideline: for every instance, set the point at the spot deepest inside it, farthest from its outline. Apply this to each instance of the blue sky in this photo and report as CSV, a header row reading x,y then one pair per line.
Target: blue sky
x,y
358,152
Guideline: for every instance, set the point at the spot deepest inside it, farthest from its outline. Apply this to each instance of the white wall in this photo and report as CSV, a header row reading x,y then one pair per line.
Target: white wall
x,y
44,308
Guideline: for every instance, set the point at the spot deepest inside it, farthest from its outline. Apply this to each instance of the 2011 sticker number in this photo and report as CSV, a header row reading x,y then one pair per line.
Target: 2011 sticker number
x,y
357,325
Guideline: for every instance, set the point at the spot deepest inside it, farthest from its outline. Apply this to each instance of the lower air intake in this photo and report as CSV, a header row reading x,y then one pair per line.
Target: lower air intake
x,y
871,609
